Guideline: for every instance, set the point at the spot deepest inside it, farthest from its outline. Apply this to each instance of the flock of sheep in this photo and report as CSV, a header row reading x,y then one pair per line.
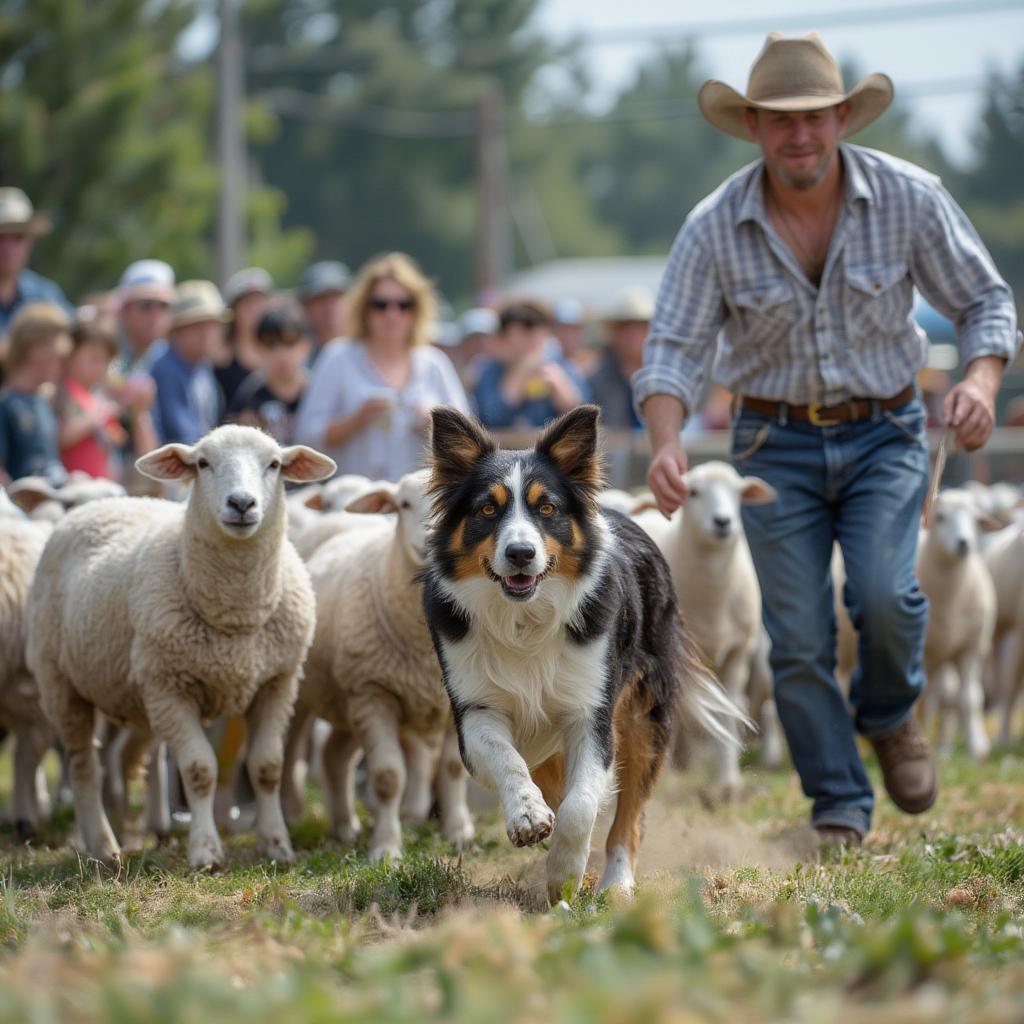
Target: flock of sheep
x,y
129,625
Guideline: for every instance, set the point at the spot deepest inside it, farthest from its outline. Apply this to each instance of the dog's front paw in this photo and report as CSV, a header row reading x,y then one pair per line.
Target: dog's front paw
x,y
531,821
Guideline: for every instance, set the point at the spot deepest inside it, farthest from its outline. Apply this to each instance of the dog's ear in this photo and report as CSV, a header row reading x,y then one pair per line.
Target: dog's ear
x,y
571,443
457,443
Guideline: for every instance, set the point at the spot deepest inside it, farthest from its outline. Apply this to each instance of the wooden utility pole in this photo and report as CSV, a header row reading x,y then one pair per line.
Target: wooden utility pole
x,y
230,142
493,256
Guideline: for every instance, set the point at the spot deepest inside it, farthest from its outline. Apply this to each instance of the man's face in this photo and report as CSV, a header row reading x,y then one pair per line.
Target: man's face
x,y
326,315
196,343
15,249
798,146
144,321
627,341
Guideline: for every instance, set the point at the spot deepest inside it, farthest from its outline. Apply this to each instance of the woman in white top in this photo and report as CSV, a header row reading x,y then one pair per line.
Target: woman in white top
x,y
369,400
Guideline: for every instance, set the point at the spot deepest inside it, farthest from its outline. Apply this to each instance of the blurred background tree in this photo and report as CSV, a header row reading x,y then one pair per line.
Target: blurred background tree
x,y
109,132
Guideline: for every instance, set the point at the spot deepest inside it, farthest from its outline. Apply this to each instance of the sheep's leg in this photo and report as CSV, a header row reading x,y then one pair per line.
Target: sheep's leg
x,y
267,720
111,739
420,758
31,739
762,705
1011,672
946,686
727,755
75,720
292,803
177,722
456,821
339,758
125,761
972,706
158,799
376,722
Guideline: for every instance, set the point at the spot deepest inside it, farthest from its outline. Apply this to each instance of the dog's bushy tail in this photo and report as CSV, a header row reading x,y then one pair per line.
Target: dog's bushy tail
x,y
702,706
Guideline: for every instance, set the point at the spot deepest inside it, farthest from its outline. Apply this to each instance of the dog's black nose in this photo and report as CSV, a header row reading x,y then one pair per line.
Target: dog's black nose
x,y
241,502
520,554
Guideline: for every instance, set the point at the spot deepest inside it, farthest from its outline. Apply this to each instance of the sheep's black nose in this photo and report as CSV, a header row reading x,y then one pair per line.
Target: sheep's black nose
x,y
241,502
962,547
722,522
520,554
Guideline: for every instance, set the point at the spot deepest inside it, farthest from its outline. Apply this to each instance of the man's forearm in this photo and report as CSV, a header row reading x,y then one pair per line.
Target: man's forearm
x,y
987,371
664,415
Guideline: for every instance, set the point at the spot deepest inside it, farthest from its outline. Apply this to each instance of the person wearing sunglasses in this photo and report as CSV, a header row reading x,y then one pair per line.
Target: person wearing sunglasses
x,y
269,397
370,396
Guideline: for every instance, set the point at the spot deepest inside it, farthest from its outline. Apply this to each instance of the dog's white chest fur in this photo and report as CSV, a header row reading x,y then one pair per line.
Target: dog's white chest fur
x,y
518,659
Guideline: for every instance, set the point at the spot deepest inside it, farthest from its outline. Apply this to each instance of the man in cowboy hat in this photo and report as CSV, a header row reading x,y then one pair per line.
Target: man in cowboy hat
x,y
20,226
187,399
800,270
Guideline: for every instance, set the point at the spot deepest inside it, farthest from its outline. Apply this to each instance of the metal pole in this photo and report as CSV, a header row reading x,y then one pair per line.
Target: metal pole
x,y
493,257
230,143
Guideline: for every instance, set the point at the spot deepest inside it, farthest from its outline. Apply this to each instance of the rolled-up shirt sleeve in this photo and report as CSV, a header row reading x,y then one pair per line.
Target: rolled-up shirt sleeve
x,y
956,274
688,316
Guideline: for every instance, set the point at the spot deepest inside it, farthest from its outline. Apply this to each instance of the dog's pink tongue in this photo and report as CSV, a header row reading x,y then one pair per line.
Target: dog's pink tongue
x,y
520,582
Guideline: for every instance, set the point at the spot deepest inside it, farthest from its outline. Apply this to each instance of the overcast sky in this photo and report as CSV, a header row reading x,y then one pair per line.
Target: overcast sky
x,y
938,48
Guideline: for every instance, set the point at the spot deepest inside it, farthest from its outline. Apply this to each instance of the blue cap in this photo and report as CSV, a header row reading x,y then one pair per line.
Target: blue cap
x,y
322,277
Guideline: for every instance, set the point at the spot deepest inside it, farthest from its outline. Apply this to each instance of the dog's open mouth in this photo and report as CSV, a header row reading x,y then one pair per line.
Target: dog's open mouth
x,y
519,587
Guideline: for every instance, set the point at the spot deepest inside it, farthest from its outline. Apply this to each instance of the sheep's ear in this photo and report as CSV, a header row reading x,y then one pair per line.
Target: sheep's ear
x,y
304,465
757,491
30,492
988,523
457,443
380,499
171,462
315,501
571,443
643,505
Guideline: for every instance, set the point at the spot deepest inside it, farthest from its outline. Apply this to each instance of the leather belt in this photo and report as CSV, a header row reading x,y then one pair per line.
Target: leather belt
x,y
827,415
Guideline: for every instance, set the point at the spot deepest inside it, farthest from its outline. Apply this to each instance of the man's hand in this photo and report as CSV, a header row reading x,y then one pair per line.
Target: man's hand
x,y
970,407
665,477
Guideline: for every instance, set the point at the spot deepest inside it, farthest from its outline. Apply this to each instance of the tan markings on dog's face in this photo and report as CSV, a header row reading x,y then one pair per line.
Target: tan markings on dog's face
x,y
534,492
499,492
470,561
567,560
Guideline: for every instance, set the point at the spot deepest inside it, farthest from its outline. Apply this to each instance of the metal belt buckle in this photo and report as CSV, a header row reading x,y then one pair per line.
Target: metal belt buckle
x,y
815,417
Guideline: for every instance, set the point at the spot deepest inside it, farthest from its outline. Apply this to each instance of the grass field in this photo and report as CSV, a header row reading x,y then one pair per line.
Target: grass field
x,y
735,920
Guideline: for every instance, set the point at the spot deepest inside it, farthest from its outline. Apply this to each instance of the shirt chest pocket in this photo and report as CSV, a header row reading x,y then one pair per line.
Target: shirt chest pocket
x,y
766,311
877,297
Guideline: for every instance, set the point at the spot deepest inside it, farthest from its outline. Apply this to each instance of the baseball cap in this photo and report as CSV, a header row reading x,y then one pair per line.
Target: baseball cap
x,y
252,280
322,277
146,279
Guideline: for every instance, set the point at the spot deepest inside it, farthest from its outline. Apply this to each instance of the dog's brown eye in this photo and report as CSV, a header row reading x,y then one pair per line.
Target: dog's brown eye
x,y
488,510
547,509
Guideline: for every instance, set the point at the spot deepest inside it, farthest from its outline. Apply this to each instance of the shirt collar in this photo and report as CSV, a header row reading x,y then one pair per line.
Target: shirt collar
x,y
752,202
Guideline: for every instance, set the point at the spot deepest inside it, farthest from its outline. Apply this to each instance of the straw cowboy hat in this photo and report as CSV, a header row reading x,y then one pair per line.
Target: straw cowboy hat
x,y
794,74
197,302
17,215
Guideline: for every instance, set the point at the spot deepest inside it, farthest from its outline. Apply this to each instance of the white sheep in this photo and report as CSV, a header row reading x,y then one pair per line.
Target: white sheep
x,y
161,615
373,675
39,499
717,588
961,617
21,544
1004,556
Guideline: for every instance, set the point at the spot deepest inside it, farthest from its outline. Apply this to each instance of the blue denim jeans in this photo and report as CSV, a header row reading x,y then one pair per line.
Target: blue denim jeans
x,y
861,484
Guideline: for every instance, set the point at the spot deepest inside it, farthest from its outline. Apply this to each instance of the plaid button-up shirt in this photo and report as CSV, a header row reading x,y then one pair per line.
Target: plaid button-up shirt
x,y
731,280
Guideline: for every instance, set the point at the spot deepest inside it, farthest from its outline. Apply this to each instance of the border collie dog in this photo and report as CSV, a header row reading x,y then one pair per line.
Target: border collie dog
x,y
560,640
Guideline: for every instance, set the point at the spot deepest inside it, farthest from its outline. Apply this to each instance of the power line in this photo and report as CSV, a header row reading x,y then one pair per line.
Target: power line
x,y
333,57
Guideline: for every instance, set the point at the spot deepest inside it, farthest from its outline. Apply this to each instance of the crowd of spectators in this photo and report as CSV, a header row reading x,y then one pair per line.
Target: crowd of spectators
x,y
349,365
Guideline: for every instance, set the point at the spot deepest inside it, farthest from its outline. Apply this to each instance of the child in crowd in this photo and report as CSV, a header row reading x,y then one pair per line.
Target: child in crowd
x,y
37,344
269,398
526,384
92,427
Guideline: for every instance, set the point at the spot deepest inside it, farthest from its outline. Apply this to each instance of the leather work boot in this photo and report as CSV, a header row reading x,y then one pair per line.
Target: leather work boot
x,y
907,767
836,837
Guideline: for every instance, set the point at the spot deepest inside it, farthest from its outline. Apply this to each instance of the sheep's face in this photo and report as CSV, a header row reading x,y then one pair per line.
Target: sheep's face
x,y
955,523
408,498
716,492
38,498
237,474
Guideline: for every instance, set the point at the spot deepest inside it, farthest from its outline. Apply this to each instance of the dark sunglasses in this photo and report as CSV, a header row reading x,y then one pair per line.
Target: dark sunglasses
x,y
279,340
150,305
405,305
